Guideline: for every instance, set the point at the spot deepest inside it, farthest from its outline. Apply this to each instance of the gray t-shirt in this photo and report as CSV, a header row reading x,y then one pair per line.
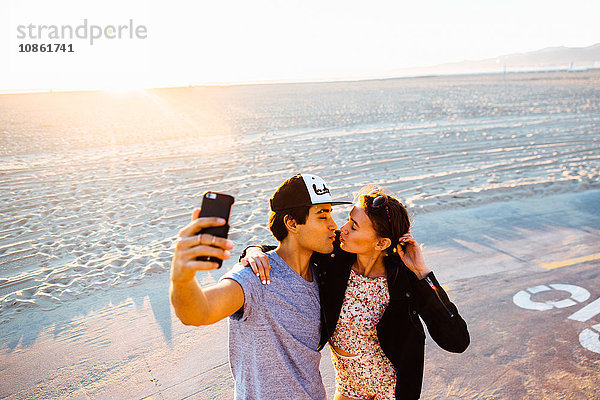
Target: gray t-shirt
x,y
273,339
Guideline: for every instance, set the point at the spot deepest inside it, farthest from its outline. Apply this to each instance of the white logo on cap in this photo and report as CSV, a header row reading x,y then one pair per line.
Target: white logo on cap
x,y
319,193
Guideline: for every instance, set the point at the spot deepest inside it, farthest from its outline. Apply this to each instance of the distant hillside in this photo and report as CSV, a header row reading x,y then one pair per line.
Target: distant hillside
x,y
550,58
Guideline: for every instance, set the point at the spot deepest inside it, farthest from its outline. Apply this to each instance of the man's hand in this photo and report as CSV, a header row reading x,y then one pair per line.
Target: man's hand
x,y
259,262
192,304
191,245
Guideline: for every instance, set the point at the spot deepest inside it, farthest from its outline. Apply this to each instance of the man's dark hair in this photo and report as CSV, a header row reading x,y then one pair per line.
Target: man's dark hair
x,y
277,224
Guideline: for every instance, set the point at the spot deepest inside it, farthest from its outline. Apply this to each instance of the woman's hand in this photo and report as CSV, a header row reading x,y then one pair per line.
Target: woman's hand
x,y
412,256
259,262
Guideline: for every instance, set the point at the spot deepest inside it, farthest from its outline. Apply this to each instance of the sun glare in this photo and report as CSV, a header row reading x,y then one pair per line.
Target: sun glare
x,y
122,89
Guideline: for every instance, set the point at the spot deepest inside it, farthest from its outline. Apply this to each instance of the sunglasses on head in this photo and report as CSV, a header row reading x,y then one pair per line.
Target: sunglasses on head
x,y
381,200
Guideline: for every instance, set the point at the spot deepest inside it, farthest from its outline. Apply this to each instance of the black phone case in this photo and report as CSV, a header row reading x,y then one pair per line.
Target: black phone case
x,y
216,205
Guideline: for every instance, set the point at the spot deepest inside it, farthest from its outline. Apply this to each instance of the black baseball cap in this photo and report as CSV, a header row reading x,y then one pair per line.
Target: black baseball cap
x,y
302,190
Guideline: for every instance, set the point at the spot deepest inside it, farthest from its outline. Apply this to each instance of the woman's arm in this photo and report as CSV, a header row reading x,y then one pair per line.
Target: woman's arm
x,y
441,316
445,325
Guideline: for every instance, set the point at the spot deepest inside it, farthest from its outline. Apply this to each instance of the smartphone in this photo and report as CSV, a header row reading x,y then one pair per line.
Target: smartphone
x,y
216,205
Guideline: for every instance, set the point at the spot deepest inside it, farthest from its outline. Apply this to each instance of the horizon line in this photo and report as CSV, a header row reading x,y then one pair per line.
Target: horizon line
x,y
301,81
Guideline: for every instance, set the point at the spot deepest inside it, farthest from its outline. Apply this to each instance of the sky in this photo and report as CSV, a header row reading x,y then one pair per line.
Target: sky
x,y
200,42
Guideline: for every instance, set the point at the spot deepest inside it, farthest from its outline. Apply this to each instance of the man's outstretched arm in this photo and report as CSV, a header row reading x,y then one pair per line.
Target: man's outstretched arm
x,y
194,305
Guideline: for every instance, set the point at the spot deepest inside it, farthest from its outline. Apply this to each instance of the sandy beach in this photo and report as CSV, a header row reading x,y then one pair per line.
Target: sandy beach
x,y
501,177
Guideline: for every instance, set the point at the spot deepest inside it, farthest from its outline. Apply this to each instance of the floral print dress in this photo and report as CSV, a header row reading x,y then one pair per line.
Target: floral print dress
x,y
369,373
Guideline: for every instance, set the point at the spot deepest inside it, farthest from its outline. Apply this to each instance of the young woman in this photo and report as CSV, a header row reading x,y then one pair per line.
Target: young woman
x,y
373,289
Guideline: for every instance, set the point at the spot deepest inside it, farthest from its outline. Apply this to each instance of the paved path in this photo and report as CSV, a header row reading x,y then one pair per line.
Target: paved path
x,y
542,344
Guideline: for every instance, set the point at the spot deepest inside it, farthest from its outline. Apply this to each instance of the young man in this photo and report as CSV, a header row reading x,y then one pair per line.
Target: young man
x,y
275,329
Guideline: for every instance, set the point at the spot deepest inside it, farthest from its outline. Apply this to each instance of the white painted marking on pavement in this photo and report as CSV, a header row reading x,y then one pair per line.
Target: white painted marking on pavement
x,y
590,339
537,289
578,294
587,312
523,298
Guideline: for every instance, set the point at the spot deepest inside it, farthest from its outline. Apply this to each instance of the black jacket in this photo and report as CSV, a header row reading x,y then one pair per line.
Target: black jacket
x,y
400,332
